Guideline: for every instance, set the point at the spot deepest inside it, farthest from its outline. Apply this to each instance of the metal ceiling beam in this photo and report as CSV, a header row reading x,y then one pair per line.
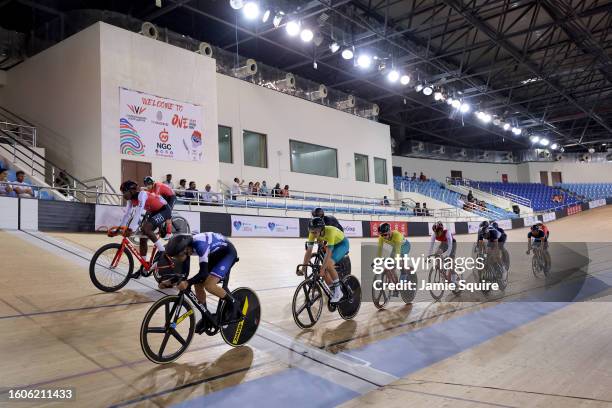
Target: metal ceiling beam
x,y
164,10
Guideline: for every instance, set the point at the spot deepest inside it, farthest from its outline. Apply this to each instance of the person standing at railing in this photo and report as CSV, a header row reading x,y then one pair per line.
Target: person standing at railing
x,y
180,190
21,187
192,192
276,191
285,191
168,181
263,190
236,189
470,196
5,189
208,196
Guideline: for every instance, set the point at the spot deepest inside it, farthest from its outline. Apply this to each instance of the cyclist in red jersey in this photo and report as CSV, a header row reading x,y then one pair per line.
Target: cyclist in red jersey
x,y
156,207
167,193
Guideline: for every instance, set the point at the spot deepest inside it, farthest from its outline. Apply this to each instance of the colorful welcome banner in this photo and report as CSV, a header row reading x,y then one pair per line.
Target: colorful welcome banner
x,y
152,126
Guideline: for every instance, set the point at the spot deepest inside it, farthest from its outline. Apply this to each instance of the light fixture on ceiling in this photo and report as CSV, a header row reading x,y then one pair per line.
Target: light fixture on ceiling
x,y
544,142
393,76
251,10
306,35
427,90
438,96
278,18
334,47
418,88
236,4
266,16
506,126
456,103
465,107
347,53
405,80
293,28
364,61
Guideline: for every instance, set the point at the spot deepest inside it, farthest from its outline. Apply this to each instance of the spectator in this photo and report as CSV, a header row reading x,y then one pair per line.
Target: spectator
x,y
385,201
236,188
414,177
23,190
191,192
425,210
180,191
470,196
422,177
405,174
168,181
256,188
263,190
403,206
5,189
276,191
417,209
285,191
208,196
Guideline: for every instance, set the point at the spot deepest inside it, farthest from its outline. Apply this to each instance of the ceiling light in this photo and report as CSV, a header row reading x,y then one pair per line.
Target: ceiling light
x,y
404,80
554,146
293,28
364,61
236,4
456,103
306,35
485,117
496,122
393,76
464,108
251,10
418,88
516,131
534,139
347,54
334,47
266,16
450,101
427,90
278,18
544,142
506,126
438,96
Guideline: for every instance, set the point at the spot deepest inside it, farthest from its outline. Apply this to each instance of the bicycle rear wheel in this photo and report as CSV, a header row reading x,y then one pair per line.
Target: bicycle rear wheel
x,y
163,335
436,277
107,273
180,225
307,304
350,307
238,333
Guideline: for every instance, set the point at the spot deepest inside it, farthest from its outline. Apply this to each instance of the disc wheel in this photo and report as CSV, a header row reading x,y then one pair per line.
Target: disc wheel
x,y
307,304
180,225
167,329
381,297
237,333
350,307
104,275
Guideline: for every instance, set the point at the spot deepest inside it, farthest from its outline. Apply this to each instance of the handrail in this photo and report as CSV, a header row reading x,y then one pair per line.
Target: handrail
x,y
493,191
14,115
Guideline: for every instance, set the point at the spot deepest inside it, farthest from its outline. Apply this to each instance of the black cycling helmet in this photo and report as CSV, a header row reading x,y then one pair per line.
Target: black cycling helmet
x,y
148,180
494,224
484,224
384,228
178,243
535,227
316,223
318,212
128,185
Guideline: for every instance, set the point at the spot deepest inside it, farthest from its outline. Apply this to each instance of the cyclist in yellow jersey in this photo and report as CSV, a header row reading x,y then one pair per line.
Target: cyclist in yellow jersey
x,y
337,247
396,239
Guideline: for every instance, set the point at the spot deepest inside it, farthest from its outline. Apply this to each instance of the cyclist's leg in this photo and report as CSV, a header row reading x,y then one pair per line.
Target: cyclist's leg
x,y
219,271
171,201
338,252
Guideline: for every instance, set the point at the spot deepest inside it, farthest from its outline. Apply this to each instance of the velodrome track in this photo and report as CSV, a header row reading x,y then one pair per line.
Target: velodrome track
x,y
57,330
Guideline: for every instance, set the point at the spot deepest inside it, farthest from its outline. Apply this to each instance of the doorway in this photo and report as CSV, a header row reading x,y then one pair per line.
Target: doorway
x,y
397,171
544,177
135,170
556,177
456,174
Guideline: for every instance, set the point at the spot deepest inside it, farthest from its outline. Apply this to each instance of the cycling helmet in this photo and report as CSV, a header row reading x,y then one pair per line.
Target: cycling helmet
x,y
316,223
438,226
484,224
494,224
148,180
127,186
178,243
384,228
535,227
318,212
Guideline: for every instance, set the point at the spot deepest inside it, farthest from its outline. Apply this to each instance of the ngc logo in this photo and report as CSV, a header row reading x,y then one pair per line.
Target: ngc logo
x,y
164,136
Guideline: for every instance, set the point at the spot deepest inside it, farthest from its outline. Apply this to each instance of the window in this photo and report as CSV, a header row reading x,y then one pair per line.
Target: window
x,y
361,168
380,171
312,159
225,144
255,149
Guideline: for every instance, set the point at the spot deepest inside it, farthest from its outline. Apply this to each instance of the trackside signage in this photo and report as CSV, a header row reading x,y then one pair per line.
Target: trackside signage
x,y
352,228
246,226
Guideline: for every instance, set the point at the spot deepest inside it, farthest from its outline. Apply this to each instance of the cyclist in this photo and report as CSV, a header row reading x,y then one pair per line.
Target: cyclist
x,y
448,244
216,256
337,247
167,193
546,231
493,238
396,239
538,237
329,219
502,243
154,205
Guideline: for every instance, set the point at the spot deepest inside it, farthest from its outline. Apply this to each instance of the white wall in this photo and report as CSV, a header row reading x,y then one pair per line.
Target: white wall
x,y
135,62
244,106
440,169
571,172
59,91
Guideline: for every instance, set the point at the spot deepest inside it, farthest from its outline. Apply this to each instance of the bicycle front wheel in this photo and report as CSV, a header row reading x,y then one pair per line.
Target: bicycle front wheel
x,y
436,279
381,296
307,304
167,329
110,270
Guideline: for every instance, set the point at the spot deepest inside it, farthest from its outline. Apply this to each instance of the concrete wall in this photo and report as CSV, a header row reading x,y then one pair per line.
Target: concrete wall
x,y
135,62
59,91
244,106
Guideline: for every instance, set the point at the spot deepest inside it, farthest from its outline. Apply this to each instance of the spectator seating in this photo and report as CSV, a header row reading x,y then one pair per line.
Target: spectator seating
x,y
438,191
539,194
592,191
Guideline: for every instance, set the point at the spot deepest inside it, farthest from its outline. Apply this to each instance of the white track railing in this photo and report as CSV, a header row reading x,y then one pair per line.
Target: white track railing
x,y
494,191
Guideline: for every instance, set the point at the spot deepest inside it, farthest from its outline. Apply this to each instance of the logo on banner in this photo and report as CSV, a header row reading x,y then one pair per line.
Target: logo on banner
x,y
163,136
137,110
237,225
159,115
130,142
574,209
164,149
194,146
271,226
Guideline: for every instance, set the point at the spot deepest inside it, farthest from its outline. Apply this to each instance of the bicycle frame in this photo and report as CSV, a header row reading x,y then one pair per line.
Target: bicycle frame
x,y
316,274
126,244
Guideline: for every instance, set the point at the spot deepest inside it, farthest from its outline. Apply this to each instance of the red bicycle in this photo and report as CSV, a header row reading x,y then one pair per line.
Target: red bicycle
x,y
112,266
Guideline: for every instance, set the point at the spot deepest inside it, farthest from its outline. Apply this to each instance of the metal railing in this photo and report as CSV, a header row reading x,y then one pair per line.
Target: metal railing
x,y
493,191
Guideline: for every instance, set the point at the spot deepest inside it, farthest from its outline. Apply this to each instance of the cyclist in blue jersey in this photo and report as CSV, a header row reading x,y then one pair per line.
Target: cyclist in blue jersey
x,y
216,256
